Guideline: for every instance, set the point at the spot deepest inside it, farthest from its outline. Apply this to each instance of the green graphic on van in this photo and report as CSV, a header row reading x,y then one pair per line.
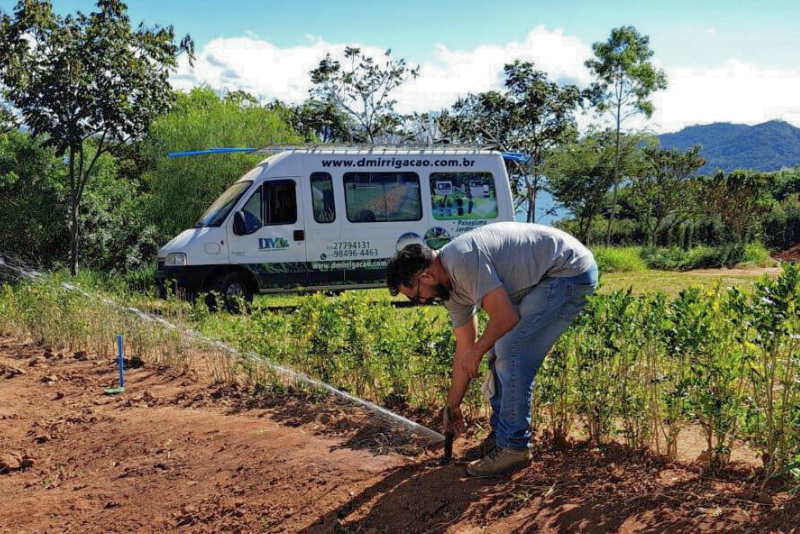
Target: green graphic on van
x,y
463,195
272,243
409,238
437,237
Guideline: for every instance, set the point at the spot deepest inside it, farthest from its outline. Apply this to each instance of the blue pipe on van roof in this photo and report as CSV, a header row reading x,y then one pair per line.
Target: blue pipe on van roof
x,y
509,156
209,151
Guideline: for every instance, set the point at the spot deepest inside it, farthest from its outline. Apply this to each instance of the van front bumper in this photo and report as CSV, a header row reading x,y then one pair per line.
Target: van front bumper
x,y
187,279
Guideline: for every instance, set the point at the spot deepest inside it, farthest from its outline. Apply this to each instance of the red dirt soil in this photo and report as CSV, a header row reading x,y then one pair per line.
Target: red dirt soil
x,y
173,454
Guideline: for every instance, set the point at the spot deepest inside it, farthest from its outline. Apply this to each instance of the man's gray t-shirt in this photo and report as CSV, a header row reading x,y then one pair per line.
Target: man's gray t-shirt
x,y
513,255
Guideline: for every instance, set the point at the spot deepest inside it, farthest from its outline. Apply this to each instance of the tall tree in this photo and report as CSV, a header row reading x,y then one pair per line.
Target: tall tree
x,y
362,87
323,120
424,128
740,199
663,193
7,119
86,83
182,188
625,78
581,173
532,116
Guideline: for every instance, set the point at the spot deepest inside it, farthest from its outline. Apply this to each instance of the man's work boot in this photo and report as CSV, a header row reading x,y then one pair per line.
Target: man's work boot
x,y
481,451
498,462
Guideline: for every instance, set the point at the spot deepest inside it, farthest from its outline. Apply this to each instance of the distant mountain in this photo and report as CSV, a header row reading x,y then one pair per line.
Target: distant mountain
x,y
764,147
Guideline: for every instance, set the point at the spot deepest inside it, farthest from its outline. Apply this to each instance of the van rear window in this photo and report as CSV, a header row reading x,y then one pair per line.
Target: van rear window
x,y
463,195
382,196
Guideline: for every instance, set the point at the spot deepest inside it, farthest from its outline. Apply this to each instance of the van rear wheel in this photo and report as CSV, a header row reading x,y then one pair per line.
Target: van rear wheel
x,y
234,291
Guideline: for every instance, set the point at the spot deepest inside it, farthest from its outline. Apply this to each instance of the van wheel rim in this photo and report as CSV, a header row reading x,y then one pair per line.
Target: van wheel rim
x,y
235,290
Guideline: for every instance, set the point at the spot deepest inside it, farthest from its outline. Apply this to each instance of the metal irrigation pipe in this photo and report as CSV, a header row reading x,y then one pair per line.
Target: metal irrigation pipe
x,y
34,275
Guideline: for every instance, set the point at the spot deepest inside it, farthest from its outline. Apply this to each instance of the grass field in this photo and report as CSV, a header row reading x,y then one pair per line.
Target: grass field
x,y
670,282
673,282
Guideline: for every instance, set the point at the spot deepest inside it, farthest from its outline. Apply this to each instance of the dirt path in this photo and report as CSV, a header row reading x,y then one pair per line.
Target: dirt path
x,y
176,455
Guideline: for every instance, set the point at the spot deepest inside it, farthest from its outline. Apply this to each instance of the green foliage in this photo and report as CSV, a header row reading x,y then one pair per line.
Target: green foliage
x,y
756,255
580,174
624,80
33,208
361,87
85,83
32,201
637,368
62,318
619,259
663,193
782,223
678,259
738,199
624,76
532,116
181,189
321,120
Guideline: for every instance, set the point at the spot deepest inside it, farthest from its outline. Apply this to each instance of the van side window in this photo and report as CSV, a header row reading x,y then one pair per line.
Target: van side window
x,y
463,195
281,202
253,212
382,196
322,197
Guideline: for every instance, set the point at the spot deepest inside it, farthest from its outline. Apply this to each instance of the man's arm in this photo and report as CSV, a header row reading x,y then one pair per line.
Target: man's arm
x,y
503,316
465,340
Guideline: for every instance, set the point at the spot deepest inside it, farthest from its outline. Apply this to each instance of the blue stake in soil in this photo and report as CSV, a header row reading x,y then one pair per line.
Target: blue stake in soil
x,y
121,365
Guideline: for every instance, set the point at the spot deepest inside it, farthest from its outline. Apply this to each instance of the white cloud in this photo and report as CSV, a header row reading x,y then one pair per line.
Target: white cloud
x,y
733,92
711,31
261,68
454,73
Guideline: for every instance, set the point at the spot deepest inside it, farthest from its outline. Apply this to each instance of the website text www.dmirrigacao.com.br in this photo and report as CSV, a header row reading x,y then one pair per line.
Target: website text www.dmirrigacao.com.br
x,y
398,163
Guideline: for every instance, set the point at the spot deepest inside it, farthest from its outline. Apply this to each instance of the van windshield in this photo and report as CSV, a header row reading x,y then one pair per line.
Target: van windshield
x,y
223,205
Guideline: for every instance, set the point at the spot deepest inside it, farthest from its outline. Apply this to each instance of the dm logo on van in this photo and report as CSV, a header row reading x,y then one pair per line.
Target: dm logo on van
x,y
272,243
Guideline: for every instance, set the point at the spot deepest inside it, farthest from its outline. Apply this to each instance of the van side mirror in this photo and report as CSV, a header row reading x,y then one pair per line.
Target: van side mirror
x,y
239,224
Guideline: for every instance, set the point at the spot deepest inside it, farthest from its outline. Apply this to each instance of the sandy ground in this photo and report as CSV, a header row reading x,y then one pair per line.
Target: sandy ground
x,y
175,454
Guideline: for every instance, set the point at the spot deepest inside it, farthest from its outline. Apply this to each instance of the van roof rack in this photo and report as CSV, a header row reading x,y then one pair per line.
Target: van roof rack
x,y
382,148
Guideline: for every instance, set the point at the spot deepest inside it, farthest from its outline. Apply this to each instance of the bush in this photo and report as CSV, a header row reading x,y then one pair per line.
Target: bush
x,y
678,259
756,255
619,259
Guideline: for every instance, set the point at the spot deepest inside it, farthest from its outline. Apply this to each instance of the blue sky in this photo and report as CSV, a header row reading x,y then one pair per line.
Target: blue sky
x,y
732,61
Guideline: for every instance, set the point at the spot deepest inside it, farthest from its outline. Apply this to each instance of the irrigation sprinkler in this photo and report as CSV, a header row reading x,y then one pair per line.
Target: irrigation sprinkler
x,y
121,364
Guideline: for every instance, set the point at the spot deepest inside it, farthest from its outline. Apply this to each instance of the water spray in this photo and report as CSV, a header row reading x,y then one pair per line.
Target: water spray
x,y
19,271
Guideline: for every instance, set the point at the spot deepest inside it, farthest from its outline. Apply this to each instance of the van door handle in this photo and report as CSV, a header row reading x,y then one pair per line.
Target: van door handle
x,y
299,235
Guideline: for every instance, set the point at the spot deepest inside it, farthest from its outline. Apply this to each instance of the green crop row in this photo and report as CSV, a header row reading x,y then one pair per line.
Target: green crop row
x,y
646,366
636,367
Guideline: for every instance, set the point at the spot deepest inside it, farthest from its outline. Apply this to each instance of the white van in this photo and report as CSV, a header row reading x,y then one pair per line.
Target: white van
x,y
324,218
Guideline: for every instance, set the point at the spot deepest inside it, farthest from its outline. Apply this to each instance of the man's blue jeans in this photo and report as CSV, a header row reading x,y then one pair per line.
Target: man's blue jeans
x,y
545,313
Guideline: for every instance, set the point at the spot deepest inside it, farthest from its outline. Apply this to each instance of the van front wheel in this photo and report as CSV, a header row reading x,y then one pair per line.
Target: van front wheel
x,y
235,292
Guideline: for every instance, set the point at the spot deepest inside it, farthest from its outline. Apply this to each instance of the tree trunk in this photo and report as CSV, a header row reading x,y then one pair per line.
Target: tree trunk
x,y
74,235
586,230
616,181
531,205
73,223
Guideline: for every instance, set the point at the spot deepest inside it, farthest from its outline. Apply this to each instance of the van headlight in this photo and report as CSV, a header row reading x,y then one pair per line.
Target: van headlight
x,y
176,259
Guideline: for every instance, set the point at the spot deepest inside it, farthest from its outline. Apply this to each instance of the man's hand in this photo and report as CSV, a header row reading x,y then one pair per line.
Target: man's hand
x,y
455,425
470,364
